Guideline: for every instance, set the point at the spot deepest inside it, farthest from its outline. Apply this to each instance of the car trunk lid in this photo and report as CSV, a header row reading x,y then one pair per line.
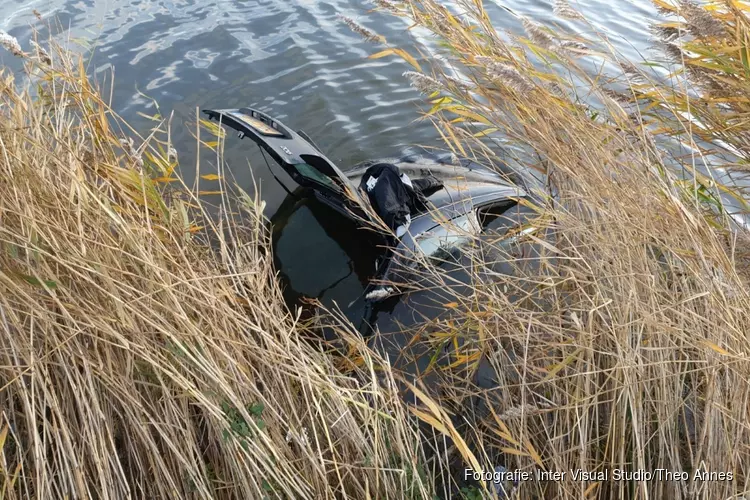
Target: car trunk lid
x,y
304,163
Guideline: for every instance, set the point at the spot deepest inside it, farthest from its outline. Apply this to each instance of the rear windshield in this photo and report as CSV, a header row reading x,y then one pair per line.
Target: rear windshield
x,y
311,173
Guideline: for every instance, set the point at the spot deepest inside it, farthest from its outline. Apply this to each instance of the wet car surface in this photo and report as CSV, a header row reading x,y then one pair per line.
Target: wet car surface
x,y
327,251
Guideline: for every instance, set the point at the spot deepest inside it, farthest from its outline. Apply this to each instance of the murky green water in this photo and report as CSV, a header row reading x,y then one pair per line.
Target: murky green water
x,y
296,61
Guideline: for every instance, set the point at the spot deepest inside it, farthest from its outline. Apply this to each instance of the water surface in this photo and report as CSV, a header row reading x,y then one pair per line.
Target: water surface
x,y
294,60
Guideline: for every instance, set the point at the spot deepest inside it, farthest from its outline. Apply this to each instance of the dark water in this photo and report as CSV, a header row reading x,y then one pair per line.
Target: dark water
x,y
296,61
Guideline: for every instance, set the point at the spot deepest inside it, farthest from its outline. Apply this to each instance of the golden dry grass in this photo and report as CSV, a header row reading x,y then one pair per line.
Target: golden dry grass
x,y
137,361
620,339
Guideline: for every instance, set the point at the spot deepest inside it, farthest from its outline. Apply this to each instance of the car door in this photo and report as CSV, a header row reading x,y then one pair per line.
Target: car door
x,y
297,157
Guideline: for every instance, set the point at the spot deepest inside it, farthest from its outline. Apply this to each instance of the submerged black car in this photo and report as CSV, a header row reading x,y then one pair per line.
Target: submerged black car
x,y
461,200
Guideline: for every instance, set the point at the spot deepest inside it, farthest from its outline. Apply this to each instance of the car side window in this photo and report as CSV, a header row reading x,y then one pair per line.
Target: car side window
x,y
498,216
502,221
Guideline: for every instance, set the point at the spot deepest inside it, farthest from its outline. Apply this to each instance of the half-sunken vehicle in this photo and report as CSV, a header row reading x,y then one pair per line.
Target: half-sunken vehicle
x,y
425,205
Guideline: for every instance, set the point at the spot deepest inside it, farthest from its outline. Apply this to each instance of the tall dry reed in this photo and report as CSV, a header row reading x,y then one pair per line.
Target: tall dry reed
x,y
146,351
617,331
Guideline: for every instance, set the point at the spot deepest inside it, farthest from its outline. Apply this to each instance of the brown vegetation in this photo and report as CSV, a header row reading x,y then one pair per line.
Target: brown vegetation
x,y
138,360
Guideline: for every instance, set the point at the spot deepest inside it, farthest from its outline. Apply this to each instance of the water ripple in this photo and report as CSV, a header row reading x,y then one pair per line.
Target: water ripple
x,y
294,59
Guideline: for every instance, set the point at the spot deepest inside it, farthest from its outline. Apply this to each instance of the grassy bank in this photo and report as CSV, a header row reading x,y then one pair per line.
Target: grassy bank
x,y
139,360
620,339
